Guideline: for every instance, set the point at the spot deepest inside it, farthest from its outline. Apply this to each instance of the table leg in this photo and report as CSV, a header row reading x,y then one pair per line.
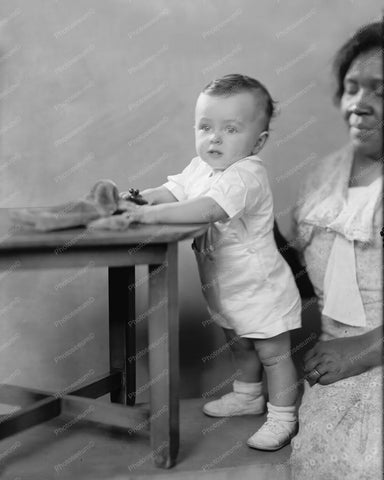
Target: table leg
x,y
122,331
163,350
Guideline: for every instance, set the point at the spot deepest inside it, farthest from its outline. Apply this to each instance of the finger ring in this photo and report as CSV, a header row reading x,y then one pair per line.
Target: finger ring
x,y
314,375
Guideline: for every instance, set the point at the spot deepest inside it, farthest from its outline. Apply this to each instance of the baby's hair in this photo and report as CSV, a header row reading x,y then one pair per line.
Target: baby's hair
x,y
236,83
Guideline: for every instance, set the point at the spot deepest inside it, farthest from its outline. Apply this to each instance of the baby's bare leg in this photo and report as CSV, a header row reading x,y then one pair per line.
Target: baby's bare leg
x,y
247,396
275,355
245,357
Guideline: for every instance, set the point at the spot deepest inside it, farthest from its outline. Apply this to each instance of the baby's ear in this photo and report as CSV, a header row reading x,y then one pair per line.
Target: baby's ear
x,y
263,137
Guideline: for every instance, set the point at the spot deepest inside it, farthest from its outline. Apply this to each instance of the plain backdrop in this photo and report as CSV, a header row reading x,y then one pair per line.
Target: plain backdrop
x,y
93,89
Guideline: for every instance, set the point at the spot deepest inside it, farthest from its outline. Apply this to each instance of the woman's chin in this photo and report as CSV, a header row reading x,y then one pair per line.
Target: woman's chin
x,y
365,144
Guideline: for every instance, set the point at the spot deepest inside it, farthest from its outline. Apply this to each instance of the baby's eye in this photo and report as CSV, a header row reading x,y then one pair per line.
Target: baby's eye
x,y
204,128
231,129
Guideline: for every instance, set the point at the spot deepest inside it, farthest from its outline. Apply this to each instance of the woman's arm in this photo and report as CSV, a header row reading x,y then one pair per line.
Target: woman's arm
x,y
372,355
345,357
199,210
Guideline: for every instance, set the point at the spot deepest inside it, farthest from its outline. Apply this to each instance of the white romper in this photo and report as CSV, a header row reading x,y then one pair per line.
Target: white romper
x,y
247,284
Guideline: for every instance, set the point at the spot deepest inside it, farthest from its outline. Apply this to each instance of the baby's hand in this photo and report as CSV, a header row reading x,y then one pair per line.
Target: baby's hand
x,y
126,206
133,195
141,214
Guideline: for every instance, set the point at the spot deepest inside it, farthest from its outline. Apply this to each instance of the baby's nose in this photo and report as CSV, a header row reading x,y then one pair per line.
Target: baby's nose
x,y
216,138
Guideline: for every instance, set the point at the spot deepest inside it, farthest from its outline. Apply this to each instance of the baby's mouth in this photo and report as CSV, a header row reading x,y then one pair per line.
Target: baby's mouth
x,y
215,153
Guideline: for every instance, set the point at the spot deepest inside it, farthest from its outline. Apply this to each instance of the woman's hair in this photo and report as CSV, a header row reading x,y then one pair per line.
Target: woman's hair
x,y
366,38
236,83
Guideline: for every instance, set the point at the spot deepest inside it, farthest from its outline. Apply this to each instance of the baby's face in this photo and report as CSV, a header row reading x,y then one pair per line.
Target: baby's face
x,y
227,129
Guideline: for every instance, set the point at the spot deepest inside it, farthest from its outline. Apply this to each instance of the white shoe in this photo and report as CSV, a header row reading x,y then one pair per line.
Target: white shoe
x,y
233,404
273,435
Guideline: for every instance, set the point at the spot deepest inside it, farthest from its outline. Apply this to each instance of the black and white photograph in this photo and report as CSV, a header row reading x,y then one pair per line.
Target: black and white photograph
x,y
191,239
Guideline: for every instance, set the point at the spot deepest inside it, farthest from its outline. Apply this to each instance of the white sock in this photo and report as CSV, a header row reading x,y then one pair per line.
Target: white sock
x,y
252,389
283,414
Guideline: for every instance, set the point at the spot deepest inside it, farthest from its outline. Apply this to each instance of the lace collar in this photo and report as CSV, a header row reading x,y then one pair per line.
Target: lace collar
x,y
323,202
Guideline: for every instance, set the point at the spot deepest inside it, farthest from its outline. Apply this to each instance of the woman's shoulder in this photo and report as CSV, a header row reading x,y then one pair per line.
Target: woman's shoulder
x,y
334,158
320,192
333,165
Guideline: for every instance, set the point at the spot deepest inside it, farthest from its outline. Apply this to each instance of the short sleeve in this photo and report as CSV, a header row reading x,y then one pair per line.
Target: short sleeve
x,y
236,191
176,184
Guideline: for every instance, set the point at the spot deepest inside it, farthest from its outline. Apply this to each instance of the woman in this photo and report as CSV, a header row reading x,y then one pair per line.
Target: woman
x,y
338,219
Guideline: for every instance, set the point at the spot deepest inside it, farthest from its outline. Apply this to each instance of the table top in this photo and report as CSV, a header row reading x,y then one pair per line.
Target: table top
x,y
14,236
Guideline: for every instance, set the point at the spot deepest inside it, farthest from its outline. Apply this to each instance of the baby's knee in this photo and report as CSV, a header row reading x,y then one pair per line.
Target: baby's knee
x,y
269,357
272,351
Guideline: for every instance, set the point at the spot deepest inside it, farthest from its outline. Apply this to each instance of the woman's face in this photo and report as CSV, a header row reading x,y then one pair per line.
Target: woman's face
x,y
362,102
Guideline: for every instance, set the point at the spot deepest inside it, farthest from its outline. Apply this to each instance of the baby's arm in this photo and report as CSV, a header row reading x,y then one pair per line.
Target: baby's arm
x,y
198,210
152,196
170,192
158,195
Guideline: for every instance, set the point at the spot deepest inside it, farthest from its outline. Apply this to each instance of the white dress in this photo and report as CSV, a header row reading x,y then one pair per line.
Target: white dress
x,y
247,284
340,425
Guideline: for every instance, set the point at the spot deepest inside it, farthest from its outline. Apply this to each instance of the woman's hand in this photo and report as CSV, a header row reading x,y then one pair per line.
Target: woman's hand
x,y
342,358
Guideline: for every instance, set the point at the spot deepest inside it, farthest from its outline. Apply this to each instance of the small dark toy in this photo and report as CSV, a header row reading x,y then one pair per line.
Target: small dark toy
x,y
135,197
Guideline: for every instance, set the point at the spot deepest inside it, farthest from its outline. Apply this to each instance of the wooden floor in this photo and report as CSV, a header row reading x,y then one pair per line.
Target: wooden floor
x,y
210,449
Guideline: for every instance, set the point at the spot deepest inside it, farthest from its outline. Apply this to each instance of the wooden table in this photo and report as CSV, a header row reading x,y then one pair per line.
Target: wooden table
x,y
152,245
